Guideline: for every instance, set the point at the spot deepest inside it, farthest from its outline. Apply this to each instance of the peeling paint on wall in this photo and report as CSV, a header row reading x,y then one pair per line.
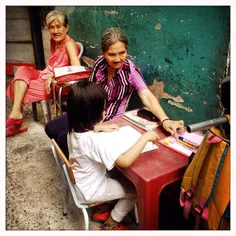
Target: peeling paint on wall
x,y
180,106
111,12
158,26
157,88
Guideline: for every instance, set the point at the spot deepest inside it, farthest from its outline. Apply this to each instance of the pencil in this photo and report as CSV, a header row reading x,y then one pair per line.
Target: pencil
x,y
186,144
188,141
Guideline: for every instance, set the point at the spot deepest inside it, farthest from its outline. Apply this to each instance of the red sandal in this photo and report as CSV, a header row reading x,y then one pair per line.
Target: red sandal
x,y
11,121
120,227
12,131
101,217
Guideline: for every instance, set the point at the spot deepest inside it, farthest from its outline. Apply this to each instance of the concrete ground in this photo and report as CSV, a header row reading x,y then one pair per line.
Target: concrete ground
x,y
34,192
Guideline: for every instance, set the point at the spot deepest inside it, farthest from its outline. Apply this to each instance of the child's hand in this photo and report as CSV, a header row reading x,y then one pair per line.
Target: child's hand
x,y
151,136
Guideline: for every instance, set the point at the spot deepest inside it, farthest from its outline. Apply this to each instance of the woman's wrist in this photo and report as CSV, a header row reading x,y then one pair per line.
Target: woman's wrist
x,y
162,122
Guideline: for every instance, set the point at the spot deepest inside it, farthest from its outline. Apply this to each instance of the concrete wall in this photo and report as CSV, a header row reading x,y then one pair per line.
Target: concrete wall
x,y
181,50
19,46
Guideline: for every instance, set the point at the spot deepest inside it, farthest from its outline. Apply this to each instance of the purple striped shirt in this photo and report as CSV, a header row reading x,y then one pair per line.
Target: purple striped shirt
x,y
120,87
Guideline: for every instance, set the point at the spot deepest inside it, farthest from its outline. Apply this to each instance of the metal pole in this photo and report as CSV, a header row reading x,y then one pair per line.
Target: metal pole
x,y
207,124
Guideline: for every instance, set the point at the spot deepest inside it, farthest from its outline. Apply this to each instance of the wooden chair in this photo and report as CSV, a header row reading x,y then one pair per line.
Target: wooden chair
x,y
68,179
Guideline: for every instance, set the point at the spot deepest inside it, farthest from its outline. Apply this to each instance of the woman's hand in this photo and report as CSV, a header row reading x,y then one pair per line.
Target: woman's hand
x,y
174,127
48,83
106,127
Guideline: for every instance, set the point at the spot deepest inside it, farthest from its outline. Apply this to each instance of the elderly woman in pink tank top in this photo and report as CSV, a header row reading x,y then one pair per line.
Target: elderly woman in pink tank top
x,y
30,85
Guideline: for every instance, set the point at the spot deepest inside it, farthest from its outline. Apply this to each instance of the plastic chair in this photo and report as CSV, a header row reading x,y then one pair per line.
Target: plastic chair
x,y
46,104
68,179
81,47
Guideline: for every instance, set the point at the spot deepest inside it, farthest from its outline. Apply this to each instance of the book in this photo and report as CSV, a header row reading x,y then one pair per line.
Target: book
x,y
186,144
71,73
142,123
66,70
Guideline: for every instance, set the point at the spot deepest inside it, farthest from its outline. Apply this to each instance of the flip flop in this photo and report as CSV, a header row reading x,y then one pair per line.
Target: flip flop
x,y
12,131
11,121
120,227
101,217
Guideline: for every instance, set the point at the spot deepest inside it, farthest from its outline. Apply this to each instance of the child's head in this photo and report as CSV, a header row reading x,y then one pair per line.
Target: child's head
x,y
85,106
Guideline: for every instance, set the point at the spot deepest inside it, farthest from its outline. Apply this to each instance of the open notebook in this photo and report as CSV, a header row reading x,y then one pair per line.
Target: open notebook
x,y
126,136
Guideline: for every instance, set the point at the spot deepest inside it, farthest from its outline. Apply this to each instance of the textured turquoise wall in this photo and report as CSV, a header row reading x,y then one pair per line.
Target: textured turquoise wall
x,y
185,47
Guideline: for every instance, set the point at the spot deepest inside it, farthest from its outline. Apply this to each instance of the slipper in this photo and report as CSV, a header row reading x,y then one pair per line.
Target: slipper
x,y
12,131
11,121
118,227
101,217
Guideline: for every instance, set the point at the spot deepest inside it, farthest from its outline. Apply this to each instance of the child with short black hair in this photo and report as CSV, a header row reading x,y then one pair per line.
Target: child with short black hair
x,y
91,153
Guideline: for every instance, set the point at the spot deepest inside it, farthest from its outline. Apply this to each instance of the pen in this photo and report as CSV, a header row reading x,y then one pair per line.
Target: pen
x,y
186,144
188,141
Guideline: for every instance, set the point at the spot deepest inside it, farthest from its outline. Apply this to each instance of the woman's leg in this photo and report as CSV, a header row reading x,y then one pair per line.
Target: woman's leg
x,y
58,129
62,142
20,88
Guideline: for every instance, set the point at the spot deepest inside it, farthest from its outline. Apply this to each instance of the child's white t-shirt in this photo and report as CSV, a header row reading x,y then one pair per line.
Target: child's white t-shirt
x,y
92,154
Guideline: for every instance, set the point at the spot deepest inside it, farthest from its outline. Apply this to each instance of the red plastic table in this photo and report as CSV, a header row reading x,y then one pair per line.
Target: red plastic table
x,y
150,173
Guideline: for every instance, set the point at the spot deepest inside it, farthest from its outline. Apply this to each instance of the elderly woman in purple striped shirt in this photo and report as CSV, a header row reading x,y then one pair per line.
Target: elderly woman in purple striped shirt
x,y
119,77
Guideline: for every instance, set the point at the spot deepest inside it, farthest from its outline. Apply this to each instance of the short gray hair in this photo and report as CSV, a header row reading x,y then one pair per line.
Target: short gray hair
x,y
55,14
111,36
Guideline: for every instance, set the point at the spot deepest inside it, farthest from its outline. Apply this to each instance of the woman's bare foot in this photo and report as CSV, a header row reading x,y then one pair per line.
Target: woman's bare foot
x,y
16,115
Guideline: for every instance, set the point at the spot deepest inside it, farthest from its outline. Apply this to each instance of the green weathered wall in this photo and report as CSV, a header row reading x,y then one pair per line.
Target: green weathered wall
x,y
184,46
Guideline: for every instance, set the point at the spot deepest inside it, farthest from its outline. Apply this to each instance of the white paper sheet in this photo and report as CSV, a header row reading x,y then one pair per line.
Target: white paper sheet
x,y
126,136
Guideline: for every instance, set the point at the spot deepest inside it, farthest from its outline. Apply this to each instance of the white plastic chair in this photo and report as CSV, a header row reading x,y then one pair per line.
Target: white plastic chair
x,y
68,179
81,47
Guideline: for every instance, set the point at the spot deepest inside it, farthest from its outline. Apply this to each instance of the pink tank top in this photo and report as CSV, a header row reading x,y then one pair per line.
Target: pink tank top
x,y
57,59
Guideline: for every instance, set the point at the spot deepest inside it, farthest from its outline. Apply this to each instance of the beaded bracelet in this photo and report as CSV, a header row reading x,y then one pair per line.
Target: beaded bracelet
x,y
164,121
